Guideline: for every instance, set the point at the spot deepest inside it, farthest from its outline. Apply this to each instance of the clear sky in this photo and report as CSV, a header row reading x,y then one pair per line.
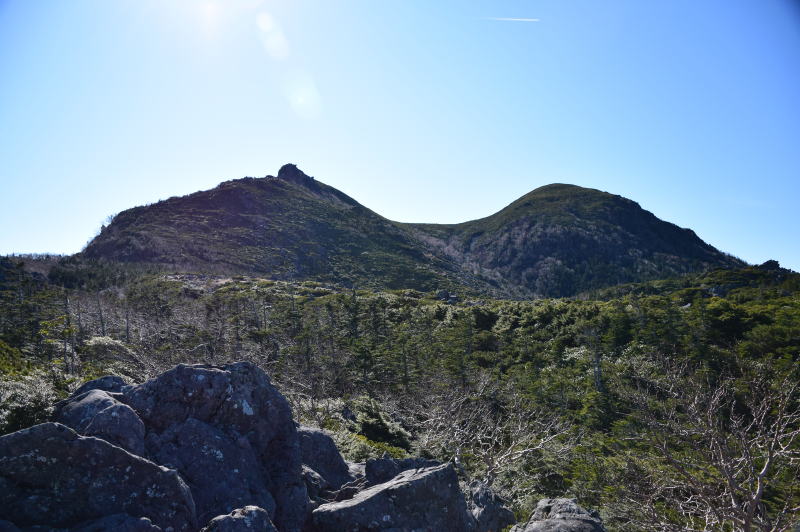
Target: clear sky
x,y
424,111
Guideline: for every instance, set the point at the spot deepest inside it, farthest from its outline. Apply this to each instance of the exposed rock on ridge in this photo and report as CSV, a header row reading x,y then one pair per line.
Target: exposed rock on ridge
x,y
561,239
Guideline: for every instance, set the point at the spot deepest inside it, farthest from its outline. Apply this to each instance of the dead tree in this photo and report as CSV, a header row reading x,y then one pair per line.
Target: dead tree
x,y
731,455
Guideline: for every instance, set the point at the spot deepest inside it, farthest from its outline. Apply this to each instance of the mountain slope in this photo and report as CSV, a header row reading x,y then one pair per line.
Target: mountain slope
x,y
285,227
561,239
558,240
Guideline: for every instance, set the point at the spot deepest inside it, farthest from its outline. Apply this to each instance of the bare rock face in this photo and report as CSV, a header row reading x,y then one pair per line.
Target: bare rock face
x,y
319,452
97,413
247,519
226,430
243,411
7,526
561,515
417,499
50,475
489,511
109,383
380,470
221,471
319,490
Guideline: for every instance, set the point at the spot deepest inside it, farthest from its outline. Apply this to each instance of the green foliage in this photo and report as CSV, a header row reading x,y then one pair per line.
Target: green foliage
x,y
612,367
26,401
11,361
359,448
560,240
377,428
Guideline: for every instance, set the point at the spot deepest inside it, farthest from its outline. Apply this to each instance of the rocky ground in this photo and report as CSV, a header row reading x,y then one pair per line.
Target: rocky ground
x,y
216,449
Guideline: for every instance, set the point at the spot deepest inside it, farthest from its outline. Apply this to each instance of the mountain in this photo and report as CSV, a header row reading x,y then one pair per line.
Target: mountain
x,y
289,227
558,240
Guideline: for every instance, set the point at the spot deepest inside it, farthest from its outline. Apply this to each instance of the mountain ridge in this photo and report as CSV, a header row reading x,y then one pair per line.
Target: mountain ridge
x,y
557,240
559,235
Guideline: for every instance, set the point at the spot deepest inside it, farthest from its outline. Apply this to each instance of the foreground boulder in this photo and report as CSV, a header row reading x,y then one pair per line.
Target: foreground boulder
x,y
377,471
561,515
240,411
319,452
418,499
226,430
51,476
380,470
96,413
222,472
109,383
247,519
215,446
488,510
118,523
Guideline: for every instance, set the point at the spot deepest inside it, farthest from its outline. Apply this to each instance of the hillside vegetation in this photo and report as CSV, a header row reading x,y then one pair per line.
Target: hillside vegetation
x,y
287,227
562,239
667,405
556,241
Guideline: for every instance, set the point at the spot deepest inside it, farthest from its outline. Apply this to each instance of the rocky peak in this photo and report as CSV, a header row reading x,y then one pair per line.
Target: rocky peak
x,y
290,172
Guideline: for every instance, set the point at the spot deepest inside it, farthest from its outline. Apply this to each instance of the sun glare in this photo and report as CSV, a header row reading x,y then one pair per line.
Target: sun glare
x,y
272,37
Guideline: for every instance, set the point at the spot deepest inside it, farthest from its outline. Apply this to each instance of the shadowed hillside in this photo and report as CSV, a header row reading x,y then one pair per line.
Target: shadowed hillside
x,y
558,240
285,227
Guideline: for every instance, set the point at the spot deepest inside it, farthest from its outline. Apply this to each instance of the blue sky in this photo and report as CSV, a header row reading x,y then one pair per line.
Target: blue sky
x,y
422,111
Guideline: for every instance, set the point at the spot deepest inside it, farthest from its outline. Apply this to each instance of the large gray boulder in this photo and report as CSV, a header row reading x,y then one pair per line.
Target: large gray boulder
x,y
239,401
415,500
109,383
51,476
217,445
226,430
561,515
377,471
380,470
319,452
247,519
221,471
489,510
96,413
319,490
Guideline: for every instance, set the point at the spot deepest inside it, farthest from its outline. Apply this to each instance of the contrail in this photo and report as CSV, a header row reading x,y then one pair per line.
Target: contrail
x,y
510,19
